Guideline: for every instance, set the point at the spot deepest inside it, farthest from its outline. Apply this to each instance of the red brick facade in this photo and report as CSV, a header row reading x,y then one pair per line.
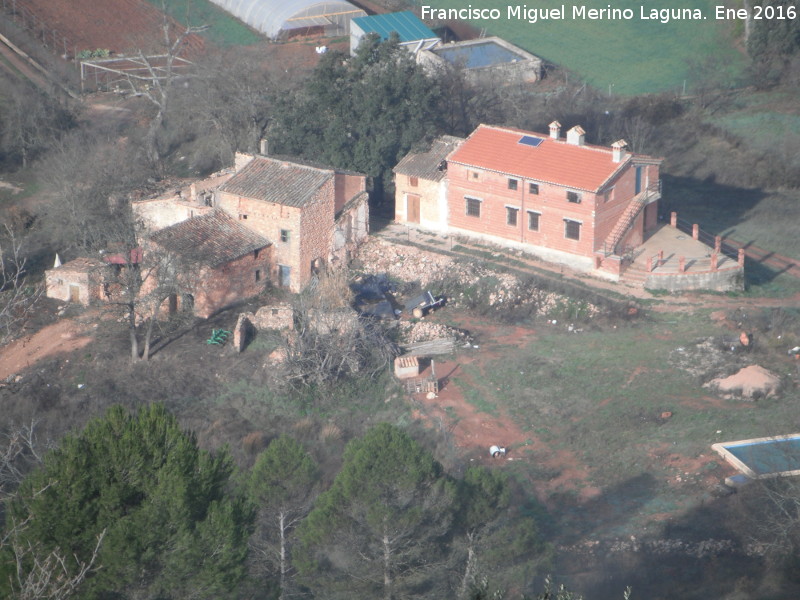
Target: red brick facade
x,y
547,193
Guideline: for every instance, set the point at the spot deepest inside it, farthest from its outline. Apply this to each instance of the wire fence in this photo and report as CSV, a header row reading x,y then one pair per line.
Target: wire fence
x,y
37,27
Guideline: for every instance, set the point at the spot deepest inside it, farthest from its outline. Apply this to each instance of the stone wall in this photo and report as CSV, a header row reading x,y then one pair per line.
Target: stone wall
x,y
727,280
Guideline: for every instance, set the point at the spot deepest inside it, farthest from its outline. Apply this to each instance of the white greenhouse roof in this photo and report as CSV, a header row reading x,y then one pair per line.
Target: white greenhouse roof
x,y
270,17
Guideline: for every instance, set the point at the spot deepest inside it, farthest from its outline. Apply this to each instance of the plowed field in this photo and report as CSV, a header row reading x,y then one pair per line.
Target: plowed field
x,y
122,26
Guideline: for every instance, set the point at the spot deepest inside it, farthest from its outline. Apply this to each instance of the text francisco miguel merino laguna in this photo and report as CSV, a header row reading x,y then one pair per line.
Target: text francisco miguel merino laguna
x,y
522,12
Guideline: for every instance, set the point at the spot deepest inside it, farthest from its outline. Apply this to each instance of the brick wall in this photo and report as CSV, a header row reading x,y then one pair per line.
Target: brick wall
x,y
316,234
347,187
551,203
232,282
298,235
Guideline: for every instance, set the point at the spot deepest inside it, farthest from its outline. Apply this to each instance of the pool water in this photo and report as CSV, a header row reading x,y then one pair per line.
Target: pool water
x,y
474,56
768,456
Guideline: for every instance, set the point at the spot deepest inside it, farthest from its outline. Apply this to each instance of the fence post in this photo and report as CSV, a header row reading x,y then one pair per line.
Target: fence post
x,y
717,243
673,219
696,231
660,257
682,264
714,261
649,266
741,257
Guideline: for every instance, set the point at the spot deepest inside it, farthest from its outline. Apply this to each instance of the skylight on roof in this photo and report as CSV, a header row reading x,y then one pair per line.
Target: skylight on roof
x,y
529,140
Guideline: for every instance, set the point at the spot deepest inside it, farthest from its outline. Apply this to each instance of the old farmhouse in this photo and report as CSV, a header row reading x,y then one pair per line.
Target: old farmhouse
x,y
558,197
264,220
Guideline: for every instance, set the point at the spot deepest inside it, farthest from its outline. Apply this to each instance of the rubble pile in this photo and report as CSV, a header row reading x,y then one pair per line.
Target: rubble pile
x,y
423,331
472,280
710,357
405,263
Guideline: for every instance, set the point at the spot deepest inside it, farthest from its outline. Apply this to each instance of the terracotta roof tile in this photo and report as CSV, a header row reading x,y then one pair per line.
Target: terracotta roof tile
x,y
278,181
425,165
213,239
552,161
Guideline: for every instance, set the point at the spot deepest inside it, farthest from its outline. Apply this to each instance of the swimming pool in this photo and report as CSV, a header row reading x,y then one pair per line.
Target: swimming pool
x,y
482,54
759,458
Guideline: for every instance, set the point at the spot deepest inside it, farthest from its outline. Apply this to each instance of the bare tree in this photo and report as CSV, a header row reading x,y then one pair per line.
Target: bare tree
x,y
330,340
43,575
141,282
19,454
31,121
17,296
162,72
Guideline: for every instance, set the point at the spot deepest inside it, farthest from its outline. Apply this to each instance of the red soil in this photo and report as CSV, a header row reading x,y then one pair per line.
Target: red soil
x,y
474,431
122,26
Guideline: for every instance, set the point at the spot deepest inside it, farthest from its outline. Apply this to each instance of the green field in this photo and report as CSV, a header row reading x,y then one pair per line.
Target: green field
x,y
624,56
224,29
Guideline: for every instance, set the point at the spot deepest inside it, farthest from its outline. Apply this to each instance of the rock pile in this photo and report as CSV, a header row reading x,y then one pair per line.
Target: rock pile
x,y
424,331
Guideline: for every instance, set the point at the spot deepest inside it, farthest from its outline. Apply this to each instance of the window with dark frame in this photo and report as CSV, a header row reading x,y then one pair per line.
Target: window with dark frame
x,y
242,217
572,230
533,188
413,181
258,275
473,207
511,216
533,221
285,234
474,174
574,197
256,253
512,184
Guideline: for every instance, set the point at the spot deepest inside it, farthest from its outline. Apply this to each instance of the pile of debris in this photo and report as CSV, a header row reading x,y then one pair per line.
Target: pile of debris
x,y
424,331
405,263
466,283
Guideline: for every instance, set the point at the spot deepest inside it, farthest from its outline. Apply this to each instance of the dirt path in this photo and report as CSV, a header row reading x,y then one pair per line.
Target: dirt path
x,y
64,336
474,431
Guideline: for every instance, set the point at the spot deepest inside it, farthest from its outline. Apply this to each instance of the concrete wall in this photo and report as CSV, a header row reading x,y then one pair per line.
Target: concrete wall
x,y
164,212
432,202
86,279
551,203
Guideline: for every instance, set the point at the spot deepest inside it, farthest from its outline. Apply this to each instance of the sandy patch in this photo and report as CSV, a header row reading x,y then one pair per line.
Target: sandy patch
x,y
751,382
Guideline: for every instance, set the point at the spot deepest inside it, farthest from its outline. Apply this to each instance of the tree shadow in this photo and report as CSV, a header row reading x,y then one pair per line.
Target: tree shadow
x,y
715,207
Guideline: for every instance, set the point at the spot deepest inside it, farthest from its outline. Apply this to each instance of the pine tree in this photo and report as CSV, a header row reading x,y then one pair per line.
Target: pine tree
x,y
172,525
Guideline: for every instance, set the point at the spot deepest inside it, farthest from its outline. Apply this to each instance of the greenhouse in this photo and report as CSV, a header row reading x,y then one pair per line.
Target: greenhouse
x,y
278,18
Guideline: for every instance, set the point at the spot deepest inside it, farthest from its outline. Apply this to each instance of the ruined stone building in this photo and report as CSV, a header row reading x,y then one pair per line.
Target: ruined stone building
x,y
263,221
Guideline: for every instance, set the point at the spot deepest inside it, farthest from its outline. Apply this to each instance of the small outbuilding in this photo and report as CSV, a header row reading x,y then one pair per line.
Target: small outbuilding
x,y
411,31
79,281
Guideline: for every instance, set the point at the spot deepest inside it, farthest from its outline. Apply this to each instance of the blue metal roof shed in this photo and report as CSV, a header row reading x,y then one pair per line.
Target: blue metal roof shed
x,y
409,28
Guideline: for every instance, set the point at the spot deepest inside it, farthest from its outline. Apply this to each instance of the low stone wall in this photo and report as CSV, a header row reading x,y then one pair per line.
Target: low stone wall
x,y
727,280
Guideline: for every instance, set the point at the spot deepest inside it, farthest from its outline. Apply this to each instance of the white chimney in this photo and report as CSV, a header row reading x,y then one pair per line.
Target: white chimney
x,y
263,147
555,130
618,150
576,135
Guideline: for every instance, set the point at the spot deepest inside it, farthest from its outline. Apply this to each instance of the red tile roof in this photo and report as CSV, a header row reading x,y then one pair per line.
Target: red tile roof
x,y
552,161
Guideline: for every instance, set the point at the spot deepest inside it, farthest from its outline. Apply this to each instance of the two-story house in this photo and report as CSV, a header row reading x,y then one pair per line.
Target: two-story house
x,y
560,198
